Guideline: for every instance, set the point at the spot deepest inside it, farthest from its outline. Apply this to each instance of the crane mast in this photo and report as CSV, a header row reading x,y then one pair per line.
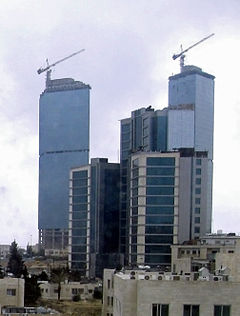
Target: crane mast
x,y
48,68
181,54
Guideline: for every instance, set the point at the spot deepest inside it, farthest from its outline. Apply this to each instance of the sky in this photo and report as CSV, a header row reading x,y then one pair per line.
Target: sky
x,y
127,61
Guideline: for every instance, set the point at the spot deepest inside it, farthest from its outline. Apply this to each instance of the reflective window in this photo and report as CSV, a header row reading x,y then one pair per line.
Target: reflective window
x,y
125,128
160,191
158,239
161,171
79,248
197,210
79,215
197,200
198,191
80,191
159,219
160,180
160,161
198,171
79,232
198,162
79,224
80,199
197,220
157,249
198,181
159,229
164,200
79,207
197,230
80,174
79,182
159,210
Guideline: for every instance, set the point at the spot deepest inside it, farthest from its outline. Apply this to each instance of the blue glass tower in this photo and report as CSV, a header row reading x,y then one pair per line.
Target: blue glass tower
x,y
63,144
191,120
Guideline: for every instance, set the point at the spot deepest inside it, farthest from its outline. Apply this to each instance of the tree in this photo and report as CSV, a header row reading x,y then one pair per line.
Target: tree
x,y
29,251
59,275
43,276
32,290
15,263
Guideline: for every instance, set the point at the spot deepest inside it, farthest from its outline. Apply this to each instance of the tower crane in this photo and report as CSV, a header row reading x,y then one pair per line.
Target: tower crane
x,y
182,56
48,68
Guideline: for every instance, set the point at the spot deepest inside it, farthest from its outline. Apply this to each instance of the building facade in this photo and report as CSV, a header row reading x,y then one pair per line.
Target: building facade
x,y
94,217
63,144
154,293
12,292
167,203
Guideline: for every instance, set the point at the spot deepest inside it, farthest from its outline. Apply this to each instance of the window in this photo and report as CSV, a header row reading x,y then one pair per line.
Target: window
x,y
162,161
198,171
164,171
198,162
190,310
197,230
222,310
11,292
198,191
197,200
159,310
197,210
197,220
198,181
108,281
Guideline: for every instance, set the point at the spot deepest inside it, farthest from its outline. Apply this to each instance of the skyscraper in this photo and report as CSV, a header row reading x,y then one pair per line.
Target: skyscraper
x,y
191,118
184,127
63,144
94,217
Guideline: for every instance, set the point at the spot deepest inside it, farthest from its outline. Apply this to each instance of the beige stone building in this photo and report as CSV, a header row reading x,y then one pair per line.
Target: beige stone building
x,y
145,292
214,251
49,291
11,292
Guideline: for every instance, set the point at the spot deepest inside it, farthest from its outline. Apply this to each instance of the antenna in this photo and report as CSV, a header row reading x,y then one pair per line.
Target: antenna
x,y
41,70
182,56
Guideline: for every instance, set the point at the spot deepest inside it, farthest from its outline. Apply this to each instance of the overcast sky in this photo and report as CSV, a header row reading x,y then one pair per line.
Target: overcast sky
x,y
127,62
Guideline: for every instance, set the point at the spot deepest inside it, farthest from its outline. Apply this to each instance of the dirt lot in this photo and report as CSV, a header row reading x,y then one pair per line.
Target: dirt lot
x,y
68,308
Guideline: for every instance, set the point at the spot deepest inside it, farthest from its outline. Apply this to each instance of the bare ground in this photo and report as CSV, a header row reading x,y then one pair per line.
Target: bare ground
x,y
81,308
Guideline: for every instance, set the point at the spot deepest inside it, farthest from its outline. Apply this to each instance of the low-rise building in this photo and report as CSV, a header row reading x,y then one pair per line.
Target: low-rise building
x,y
69,290
11,292
4,251
144,292
213,251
